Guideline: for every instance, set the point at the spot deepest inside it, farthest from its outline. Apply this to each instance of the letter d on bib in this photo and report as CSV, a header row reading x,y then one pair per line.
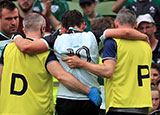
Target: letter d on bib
x,y
13,81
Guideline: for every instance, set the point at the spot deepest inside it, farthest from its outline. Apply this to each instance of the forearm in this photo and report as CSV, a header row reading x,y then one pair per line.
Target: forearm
x,y
103,70
67,79
54,22
22,44
126,33
119,4
72,83
30,47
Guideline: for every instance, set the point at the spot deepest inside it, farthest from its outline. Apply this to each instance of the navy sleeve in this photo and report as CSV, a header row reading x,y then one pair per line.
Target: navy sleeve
x,y
50,39
51,57
2,56
110,49
98,34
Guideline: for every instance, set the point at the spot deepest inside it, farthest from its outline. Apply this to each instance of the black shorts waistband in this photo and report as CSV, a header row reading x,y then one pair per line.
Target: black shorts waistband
x,y
144,110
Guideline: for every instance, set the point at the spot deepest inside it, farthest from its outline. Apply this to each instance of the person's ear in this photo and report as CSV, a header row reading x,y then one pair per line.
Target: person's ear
x,y
24,31
63,30
43,29
135,26
155,28
83,26
94,4
116,24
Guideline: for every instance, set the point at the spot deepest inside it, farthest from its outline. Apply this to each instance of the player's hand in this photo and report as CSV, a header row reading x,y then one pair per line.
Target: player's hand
x,y
47,9
73,62
94,96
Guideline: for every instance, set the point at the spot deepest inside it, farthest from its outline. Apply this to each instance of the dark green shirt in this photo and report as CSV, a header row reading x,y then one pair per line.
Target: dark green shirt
x,y
88,25
129,2
58,7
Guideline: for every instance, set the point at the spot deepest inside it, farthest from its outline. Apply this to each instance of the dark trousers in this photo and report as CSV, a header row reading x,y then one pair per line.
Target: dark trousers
x,y
76,107
122,113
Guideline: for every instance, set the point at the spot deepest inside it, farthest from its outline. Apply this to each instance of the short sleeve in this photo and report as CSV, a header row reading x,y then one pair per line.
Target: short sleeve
x,y
51,57
110,49
2,57
50,39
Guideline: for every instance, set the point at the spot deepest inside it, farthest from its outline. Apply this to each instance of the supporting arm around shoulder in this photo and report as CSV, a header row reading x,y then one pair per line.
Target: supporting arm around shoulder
x,y
72,83
126,33
30,47
105,70
67,79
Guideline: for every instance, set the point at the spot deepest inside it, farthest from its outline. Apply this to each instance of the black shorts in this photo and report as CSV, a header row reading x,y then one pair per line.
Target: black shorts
x,y
76,107
122,113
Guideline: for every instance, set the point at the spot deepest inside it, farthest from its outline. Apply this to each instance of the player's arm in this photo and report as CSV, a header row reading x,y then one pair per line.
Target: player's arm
x,y
127,33
119,4
30,47
66,78
36,46
109,61
72,83
105,70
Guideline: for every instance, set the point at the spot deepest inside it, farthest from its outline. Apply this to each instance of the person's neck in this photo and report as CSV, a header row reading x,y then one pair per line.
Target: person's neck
x,y
33,35
92,15
23,14
7,35
124,26
76,27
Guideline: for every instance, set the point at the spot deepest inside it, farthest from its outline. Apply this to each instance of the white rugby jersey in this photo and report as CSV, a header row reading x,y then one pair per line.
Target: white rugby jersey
x,y
86,46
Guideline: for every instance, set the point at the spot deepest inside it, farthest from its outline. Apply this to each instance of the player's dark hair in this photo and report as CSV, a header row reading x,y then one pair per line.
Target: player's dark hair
x,y
6,4
72,18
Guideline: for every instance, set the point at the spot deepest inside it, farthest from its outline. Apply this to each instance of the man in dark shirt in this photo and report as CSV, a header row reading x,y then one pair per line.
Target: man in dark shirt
x,y
145,6
25,7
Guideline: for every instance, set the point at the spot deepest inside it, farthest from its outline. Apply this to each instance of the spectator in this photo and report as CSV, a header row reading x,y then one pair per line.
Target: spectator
x,y
88,7
53,9
26,81
142,7
8,22
158,84
147,26
58,7
102,23
129,2
25,7
155,99
155,73
119,4
126,70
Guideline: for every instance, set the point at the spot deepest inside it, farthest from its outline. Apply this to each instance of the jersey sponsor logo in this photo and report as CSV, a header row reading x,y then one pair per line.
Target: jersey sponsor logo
x,y
13,82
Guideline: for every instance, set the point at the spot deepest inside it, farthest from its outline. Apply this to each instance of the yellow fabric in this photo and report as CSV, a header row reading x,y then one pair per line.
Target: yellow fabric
x,y
37,99
123,90
55,89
